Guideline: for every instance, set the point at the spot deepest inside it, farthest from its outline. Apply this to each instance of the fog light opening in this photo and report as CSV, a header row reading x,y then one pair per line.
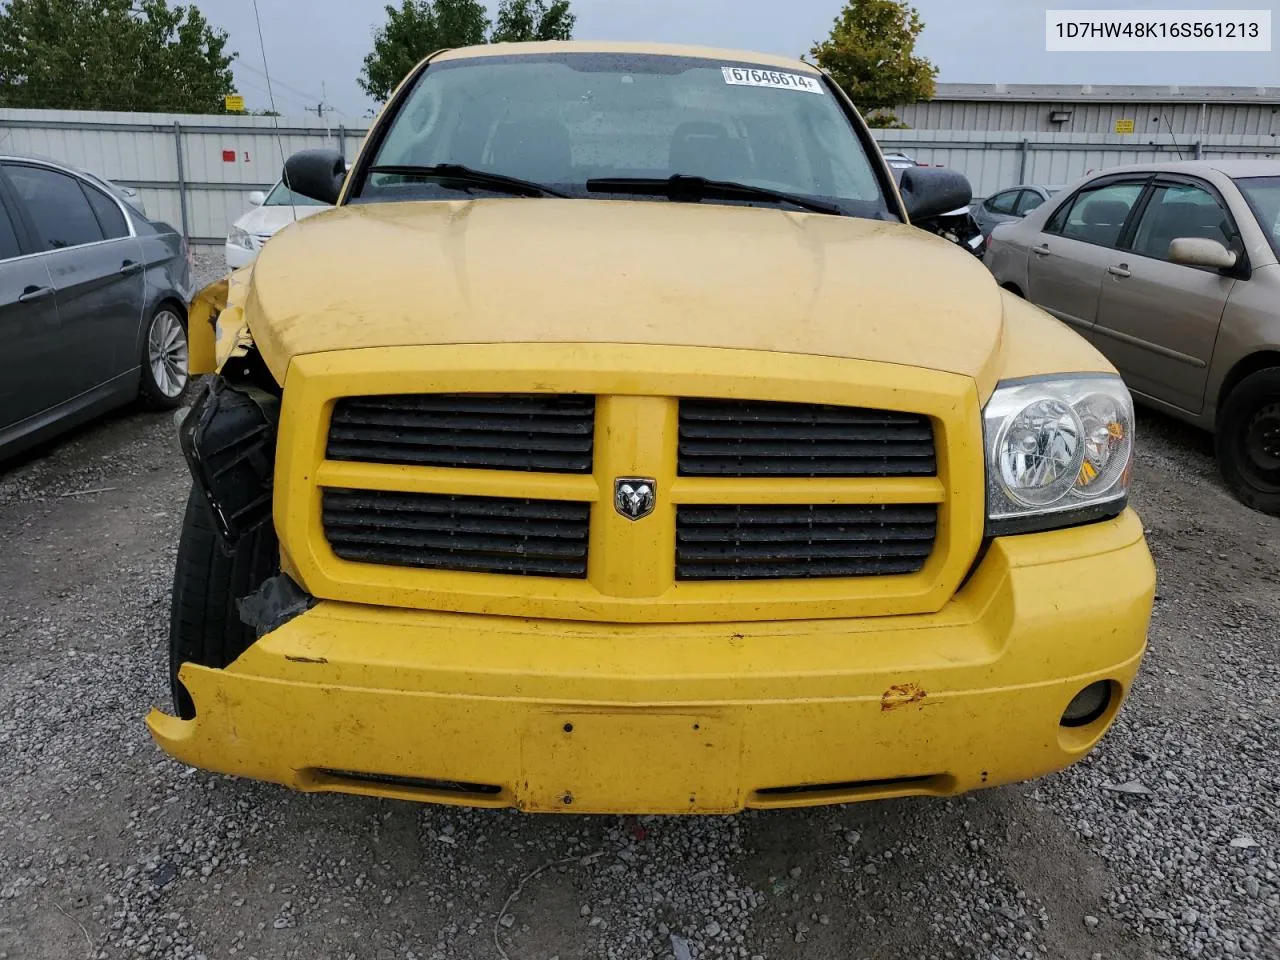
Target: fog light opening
x,y
1089,704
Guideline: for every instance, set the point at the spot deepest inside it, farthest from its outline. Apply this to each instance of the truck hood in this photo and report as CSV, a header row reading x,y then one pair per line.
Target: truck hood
x,y
633,272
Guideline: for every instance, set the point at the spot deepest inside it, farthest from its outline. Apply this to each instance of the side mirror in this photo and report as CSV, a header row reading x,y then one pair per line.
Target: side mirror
x,y
257,198
932,192
1202,252
316,174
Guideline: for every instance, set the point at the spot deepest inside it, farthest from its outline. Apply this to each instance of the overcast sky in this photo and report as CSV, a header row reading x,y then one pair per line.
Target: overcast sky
x,y
316,46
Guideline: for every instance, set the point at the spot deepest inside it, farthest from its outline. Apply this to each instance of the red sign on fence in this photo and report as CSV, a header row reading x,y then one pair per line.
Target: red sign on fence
x,y
228,156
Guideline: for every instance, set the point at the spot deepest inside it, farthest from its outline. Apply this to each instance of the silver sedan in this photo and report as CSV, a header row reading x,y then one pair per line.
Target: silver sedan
x,y
1173,271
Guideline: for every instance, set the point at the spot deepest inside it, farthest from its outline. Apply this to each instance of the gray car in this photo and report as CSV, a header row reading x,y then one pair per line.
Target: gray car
x,y
1173,271
93,301
1012,204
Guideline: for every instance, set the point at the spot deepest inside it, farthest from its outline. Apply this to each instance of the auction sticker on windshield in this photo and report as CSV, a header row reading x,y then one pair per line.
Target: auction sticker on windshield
x,y
755,77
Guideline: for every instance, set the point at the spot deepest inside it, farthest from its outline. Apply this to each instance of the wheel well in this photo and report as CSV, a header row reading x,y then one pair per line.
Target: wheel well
x,y
175,303
1014,289
1247,367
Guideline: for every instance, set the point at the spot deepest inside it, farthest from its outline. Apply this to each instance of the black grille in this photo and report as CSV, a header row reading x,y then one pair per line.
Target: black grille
x,y
746,438
536,538
543,433
802,542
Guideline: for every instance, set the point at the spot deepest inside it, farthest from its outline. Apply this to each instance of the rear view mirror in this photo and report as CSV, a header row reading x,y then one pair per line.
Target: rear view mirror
x,y
1201,252
316,174
931,192
257,198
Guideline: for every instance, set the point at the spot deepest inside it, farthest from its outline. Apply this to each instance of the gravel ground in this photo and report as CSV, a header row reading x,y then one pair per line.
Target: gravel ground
x,y
110,849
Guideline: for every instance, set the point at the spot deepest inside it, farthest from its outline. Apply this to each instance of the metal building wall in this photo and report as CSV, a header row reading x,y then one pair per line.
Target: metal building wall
x,y
1180,111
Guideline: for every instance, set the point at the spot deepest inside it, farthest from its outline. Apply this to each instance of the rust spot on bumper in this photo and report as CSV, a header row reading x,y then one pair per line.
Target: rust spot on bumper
x,y
901,694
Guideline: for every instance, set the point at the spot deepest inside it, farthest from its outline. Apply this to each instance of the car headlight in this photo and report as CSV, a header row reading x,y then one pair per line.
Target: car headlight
x,y
1059,452
239,237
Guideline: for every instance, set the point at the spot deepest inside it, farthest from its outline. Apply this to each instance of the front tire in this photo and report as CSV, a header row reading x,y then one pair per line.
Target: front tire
x,y
165,372
205,626
1248,441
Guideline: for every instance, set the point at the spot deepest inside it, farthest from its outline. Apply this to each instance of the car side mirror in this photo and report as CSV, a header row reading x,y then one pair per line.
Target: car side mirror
x,y
1202,252
931,192
316,174
257,198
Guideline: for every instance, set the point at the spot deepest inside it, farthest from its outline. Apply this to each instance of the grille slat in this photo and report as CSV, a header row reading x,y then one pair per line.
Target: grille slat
x,y
735,438
372,500
467,534
543,433
817,534
749,515
740,552
490,441
802,542
694,430
802,571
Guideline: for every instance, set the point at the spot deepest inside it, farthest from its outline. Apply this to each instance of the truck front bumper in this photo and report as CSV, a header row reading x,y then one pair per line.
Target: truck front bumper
x,y
691,718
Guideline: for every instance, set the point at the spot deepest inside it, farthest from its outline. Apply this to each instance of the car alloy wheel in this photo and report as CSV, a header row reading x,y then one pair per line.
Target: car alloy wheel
x,y
167,353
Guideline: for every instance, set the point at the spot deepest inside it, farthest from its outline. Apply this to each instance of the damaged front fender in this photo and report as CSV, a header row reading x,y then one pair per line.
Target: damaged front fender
x,y
217,327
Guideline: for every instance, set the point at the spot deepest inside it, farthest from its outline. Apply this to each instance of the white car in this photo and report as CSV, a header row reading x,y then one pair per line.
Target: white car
x,y
271,213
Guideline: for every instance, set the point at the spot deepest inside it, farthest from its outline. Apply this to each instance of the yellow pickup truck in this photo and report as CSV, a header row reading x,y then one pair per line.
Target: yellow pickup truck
x,y
617,445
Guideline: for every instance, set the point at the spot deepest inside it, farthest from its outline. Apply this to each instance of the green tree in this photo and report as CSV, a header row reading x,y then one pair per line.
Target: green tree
x,y
533,20
420,27
112,55
871,54
415,29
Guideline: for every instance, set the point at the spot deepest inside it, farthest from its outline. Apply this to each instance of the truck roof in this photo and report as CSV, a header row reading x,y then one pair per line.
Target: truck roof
x,y
626,47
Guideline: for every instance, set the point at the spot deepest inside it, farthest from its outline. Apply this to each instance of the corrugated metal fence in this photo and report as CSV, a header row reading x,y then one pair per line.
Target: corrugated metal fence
x,y
192,171
195,171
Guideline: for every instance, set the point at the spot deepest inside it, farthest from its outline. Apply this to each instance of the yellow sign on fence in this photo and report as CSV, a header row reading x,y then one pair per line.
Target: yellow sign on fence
x,y
1124,126
235,104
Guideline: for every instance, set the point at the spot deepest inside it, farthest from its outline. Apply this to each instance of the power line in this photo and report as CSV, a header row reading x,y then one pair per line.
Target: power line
x,y
303,105
275,114
307,97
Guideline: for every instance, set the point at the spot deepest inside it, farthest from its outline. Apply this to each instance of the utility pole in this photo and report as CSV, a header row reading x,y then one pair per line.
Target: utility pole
x,y
324,108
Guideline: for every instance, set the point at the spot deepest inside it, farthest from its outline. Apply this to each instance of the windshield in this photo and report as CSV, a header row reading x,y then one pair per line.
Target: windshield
x,y
280,197
1263,194
562,120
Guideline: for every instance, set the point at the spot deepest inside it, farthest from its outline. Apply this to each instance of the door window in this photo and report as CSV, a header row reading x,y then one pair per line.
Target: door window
x,y
1098,216
1002,202
1181,210
9,245
57,207
1028,202
108,213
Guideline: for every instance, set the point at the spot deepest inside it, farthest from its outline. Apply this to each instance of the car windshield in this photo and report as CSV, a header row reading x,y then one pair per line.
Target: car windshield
x,y
1263,194
566,119
280,197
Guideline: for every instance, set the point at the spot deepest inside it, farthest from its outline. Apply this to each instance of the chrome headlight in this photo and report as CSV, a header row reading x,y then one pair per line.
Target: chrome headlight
x,y
1059,452
239,237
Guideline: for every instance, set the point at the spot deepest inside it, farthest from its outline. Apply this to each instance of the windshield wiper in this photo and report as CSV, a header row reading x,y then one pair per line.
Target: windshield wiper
x,y
480,178
683,186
